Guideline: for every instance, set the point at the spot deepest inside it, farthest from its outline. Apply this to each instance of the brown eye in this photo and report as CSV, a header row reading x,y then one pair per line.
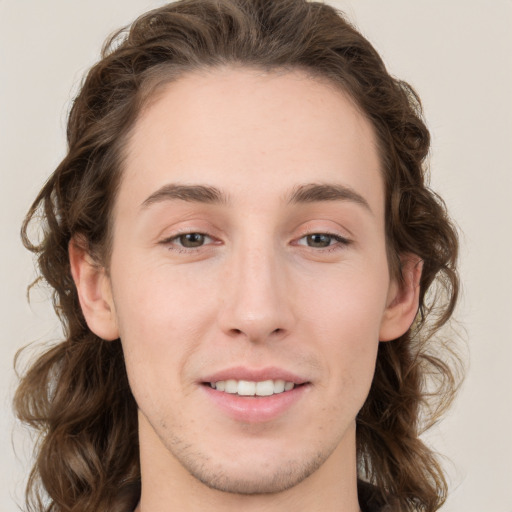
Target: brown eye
x,y
191,240
323,241
319,240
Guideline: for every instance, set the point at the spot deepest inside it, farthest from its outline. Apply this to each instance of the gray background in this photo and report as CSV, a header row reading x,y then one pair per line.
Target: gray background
x,y
456,53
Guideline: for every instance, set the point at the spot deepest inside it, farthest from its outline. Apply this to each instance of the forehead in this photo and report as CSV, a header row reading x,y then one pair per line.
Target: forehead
x,y
246,130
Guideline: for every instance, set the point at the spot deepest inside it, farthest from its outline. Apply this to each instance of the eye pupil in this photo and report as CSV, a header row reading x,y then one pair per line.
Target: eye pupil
x,y
192,240
319,240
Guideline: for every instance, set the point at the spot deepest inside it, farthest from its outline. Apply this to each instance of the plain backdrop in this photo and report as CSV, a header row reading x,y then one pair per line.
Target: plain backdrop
x,y
456,53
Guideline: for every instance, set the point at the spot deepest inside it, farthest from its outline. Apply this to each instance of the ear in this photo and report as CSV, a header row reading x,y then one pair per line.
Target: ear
x,y
94,292
403,299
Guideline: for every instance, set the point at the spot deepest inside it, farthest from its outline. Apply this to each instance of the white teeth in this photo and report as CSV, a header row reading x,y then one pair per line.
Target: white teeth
x,y
246,388
251,388
279,386
231,386
265,388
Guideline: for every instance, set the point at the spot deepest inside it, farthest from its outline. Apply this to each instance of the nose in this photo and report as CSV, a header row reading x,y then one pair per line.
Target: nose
x,y
257,301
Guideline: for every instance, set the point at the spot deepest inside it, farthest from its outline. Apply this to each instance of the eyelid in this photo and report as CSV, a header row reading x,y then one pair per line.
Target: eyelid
x,y
178,234
335,236
324,227
340,241
170,240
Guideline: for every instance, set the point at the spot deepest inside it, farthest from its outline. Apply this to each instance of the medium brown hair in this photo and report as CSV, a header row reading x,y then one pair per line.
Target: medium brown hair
x,y
76,395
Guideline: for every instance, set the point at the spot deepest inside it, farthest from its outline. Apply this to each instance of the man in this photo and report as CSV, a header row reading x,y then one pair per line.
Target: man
x,y
240,239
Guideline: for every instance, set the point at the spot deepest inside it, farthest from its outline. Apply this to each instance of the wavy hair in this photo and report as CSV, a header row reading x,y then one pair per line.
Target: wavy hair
x,y
76,394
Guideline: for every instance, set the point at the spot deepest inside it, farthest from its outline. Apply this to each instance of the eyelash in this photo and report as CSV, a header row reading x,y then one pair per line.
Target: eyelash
x,y
340,241
170,242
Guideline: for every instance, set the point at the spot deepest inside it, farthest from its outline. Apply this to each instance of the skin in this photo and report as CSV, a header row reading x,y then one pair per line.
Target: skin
x,y
254,292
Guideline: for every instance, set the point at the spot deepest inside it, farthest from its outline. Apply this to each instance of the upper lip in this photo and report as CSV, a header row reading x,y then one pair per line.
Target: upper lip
x,y
254,375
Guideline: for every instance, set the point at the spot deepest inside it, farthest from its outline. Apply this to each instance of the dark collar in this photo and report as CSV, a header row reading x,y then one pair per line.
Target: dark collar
x,y
370,498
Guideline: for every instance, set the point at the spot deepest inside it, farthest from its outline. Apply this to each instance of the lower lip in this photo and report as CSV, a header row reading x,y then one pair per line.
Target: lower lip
x,y
255,409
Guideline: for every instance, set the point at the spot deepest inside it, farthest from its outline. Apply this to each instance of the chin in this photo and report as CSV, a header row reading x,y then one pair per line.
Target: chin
x,y
267,480
267,473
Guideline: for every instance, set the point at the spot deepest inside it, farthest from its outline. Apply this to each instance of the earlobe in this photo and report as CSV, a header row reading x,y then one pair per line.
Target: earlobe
x,y
94,292
403,299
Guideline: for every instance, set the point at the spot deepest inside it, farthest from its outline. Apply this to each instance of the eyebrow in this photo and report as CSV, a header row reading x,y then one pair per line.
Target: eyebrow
x,y
306,193
191,193
315,192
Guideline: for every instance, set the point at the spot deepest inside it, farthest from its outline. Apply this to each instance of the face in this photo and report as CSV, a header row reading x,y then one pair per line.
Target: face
x,y
249,280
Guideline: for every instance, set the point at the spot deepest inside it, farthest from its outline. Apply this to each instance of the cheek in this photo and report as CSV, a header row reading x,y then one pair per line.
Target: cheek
x,y
345,319
349,301
349,360
161,322
157,301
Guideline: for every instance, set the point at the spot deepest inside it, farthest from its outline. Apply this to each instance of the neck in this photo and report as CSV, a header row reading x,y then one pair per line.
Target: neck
x,y
166,485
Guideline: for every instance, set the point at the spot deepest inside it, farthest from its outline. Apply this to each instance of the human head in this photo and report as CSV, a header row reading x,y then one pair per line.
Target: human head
x,y
77,201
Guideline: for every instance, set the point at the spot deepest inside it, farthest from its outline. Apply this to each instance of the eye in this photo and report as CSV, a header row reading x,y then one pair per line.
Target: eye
x,y
189,240
192,240
322,240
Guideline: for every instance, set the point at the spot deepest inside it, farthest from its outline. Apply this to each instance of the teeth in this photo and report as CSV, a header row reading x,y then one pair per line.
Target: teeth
x,y
246,388
288,386
251,388
280,385
231,386
263,388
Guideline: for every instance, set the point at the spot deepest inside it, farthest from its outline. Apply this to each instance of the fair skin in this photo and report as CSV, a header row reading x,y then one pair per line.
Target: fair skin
x,y
249,245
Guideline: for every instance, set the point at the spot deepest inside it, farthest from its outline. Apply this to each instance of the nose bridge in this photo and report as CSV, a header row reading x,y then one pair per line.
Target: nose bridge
x,y
255,302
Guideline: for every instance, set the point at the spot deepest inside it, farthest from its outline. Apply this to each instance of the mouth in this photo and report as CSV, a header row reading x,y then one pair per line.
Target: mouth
x,y
255,395
248,388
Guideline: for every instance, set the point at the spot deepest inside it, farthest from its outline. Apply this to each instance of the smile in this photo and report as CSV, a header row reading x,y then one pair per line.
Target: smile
x,y
252,388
